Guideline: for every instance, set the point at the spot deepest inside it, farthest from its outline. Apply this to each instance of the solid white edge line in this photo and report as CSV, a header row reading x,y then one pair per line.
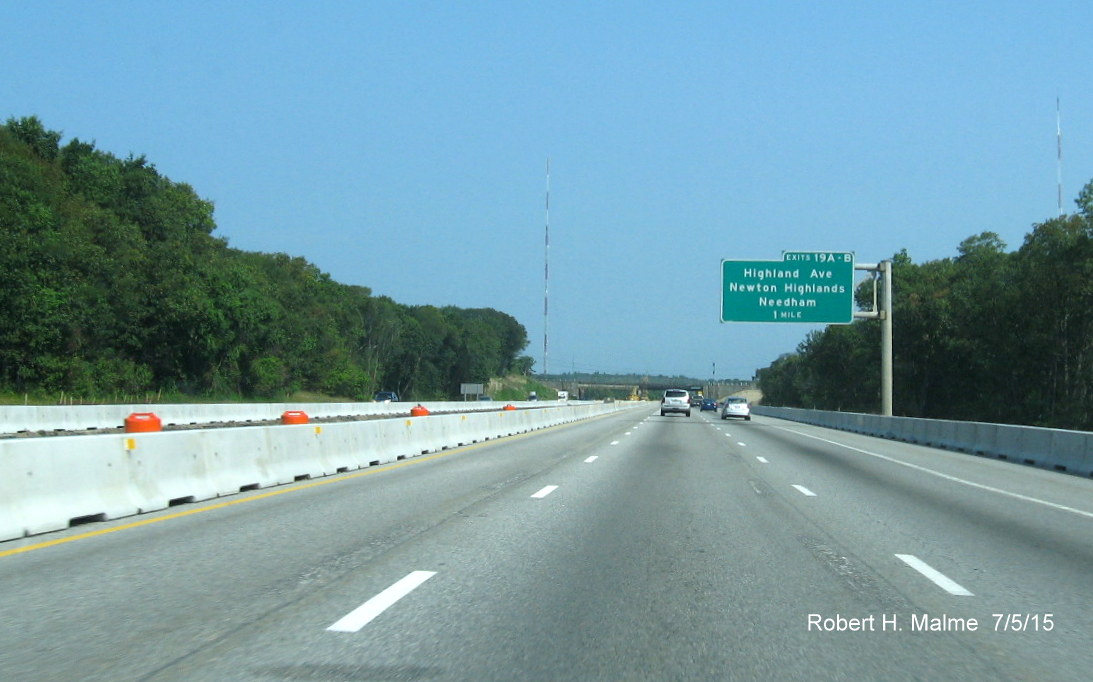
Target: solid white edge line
x,y
363,614
935,576
545,491
804,491
591,459
763,460
947,477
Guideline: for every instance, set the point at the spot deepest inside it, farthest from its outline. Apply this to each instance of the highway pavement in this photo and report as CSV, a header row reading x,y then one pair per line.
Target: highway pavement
x,y
626,547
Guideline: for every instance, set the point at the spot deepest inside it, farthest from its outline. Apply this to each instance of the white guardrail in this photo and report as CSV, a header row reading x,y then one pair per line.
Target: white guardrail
x,y
54,482
1056,449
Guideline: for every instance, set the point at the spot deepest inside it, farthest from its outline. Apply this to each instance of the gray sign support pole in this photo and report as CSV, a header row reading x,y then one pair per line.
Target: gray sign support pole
x,y
886,342
882,312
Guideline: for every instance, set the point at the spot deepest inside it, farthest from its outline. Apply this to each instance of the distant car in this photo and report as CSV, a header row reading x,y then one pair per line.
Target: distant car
x,y
736,406
709,405
484,397
675,400
385,397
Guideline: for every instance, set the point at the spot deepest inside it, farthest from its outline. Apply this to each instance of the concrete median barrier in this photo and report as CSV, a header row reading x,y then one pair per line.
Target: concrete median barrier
x,y
1056,449
79,418
49,484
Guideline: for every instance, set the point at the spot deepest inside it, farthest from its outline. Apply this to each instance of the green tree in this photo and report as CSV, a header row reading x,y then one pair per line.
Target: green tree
x,y
30,131
111,280
1053,365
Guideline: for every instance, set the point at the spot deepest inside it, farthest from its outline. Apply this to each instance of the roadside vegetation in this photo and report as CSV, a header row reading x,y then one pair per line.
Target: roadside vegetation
x,y
988,335
114,288
519,387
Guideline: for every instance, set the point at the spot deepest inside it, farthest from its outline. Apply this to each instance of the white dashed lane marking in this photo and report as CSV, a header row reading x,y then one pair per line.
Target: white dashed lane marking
x,y
590,459
545,491
932,472
937,577
763,460
363,614
804,491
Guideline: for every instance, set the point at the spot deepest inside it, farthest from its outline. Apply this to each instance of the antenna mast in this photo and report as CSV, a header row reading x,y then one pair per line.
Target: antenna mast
x,y
546,271
1059,153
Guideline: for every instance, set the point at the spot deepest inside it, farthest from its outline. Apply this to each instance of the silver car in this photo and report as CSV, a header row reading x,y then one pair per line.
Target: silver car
x,y
675,400
736,406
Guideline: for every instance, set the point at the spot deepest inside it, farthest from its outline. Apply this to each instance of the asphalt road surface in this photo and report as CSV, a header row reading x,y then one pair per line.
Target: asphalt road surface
x,y
627,547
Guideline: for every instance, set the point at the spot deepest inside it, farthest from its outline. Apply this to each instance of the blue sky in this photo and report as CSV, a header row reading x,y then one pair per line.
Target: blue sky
x,y
402,146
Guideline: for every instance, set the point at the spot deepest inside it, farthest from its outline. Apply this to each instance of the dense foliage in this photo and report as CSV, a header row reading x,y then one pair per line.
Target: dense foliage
x,y
988,335
111,282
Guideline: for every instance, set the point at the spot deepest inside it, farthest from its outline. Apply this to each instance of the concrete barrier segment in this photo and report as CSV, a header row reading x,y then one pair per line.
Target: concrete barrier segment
x,y
1056,449
47,484
50,418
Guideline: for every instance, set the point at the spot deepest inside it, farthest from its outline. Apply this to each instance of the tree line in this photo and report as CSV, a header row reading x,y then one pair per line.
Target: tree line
x,y
988,335
112,281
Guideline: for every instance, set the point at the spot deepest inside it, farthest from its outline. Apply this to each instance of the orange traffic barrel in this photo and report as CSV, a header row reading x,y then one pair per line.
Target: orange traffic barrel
x,y
419,411
509,407
294,417
143,422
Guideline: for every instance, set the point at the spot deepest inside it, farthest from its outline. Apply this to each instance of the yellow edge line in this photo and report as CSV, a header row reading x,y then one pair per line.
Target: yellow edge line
x,y
336,478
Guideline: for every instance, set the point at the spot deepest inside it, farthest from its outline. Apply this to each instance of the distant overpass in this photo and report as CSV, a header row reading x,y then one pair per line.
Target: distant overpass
x,y
644,387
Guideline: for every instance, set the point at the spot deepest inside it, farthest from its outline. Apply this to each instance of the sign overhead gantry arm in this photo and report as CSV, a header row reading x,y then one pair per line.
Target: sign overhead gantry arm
x,y
882,310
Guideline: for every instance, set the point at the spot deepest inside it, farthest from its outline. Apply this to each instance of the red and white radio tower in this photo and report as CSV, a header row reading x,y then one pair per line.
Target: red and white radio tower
x,y
546,273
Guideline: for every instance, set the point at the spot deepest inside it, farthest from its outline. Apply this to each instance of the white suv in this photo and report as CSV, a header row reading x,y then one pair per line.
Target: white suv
x,y
736,406
675,400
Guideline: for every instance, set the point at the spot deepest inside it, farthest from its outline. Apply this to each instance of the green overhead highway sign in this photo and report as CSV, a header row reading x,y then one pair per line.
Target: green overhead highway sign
x,y
805,286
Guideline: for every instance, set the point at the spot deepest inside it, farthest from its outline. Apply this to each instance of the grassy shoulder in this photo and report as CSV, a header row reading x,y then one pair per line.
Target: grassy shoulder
x,y
519,387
